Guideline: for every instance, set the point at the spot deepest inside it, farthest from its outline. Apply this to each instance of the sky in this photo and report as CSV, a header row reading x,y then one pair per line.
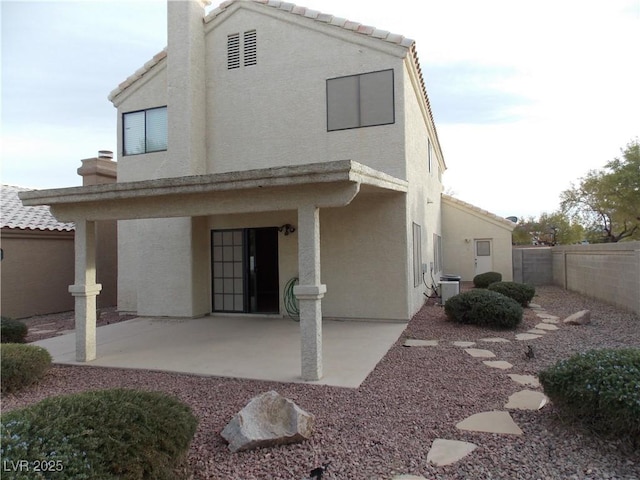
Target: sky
x,y
527,96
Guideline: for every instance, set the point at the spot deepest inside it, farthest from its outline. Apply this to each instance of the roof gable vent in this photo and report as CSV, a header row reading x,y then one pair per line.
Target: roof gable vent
x,y
233,51
250,48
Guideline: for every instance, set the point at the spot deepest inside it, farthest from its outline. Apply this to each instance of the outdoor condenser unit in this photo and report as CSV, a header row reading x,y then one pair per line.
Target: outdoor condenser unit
x,y
448,290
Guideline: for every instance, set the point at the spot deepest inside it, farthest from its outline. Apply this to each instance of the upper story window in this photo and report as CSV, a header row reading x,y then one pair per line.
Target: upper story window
x,y
363,100
249,49
145,131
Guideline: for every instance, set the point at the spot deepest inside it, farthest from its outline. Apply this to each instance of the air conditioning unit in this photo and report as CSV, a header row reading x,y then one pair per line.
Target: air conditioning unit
x,y
448,289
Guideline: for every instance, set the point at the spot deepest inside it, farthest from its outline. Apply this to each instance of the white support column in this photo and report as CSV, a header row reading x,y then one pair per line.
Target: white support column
x,y
85,290
310,291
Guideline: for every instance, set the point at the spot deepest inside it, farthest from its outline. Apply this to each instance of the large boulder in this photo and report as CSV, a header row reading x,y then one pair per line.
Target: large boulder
x,y
269,419
583,317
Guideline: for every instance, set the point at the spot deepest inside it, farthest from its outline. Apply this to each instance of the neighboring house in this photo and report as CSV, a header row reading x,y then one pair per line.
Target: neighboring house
x,y
38,252
267,142
476,241
37,259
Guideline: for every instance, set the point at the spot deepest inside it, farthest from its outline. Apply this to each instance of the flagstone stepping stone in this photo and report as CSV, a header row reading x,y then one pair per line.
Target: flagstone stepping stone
x,y
535,306
551,320
525,379
445,452
37,331
413,342
495,340
479,353
537,331
546,326
490,422
546,315
464,344
527,400
501,364
527,336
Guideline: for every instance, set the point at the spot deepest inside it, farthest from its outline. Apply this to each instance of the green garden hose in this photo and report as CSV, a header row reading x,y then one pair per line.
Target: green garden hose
x,y
290,300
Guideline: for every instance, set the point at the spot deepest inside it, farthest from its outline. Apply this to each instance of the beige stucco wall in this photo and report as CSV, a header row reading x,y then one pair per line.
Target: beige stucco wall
x,y
460,227
36,272
275,113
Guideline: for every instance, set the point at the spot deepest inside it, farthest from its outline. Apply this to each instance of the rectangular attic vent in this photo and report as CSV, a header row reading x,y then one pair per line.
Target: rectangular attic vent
x,y
250,48
233,51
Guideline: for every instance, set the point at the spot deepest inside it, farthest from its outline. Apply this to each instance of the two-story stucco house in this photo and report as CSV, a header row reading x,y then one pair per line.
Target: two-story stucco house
x,y
267,142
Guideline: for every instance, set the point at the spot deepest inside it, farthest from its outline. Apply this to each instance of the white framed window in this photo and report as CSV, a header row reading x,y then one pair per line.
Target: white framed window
x,y
437,253
144,131
363,100
417,254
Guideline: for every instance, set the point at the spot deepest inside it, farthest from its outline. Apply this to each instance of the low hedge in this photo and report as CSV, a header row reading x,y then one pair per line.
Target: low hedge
x,y
22,365
107,435
520,292
601,388
484,308
483,280
12,331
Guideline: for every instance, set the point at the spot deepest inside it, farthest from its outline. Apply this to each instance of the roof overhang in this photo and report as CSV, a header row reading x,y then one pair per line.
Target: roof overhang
x,y
330,184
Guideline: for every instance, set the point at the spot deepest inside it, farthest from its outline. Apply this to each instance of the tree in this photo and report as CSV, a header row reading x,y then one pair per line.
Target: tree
x,y
607,202
550,229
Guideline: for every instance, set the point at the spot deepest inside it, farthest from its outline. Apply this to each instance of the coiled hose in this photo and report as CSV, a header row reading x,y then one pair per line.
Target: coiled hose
x,y
290,300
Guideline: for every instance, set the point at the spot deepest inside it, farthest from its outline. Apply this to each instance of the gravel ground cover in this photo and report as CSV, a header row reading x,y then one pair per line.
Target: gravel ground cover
x,y
414,395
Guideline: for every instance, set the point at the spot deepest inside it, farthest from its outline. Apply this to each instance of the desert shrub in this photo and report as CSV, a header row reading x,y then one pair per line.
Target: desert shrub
x,y
22,365
12,331
484,308
520,292
107,434
599,387
483,280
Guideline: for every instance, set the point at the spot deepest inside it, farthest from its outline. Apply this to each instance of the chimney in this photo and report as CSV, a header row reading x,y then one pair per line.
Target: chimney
x,y
99,170
186,89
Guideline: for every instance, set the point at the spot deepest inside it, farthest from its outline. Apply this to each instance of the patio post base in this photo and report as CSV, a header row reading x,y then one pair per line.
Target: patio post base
x,y
309,298
85,315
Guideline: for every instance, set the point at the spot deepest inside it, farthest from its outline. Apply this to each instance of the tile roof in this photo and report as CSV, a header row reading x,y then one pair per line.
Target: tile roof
x,y
15,215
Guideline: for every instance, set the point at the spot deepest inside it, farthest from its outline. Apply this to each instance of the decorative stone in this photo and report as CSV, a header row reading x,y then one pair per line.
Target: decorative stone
x,y
535,306
537,331
413,342
551,320
268,419
529,380
546,326
495,340
490,422
501,364
479,353
583,317
547,316
527,400
464,344
445,452
527,336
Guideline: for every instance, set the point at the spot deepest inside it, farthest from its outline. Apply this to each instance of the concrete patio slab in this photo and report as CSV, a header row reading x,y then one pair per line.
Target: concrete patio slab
x,y
445,452
253,347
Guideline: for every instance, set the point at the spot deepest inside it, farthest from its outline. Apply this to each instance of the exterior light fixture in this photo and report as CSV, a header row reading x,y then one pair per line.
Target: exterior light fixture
x,y
287,228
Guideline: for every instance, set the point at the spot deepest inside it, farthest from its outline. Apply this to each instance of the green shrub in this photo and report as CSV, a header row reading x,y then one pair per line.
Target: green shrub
x,y
483,280
600,388
12,331
22,365
108,434
520,292
484,308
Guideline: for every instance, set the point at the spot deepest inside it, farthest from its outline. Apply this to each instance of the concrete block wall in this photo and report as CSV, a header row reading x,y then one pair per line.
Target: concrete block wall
x,y
533,266
608,272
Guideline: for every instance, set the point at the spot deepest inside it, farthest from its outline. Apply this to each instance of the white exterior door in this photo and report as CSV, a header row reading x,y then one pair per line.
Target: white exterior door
x,y
483,252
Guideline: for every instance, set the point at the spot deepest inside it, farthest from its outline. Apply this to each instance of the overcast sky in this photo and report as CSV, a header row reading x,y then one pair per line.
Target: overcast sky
x,y
527,95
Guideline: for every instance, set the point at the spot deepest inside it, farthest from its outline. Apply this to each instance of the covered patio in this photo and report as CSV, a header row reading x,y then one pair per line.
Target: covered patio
x,y
252,347
305,188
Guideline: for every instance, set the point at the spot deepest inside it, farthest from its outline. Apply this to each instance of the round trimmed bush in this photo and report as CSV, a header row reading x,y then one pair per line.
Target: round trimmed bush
x,y
520,292
108,434
12,331
22,365
600,388
483,280
484,308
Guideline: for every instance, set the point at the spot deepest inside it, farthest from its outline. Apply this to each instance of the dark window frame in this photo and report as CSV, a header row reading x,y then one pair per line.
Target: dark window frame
x,y
146,147
360,75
